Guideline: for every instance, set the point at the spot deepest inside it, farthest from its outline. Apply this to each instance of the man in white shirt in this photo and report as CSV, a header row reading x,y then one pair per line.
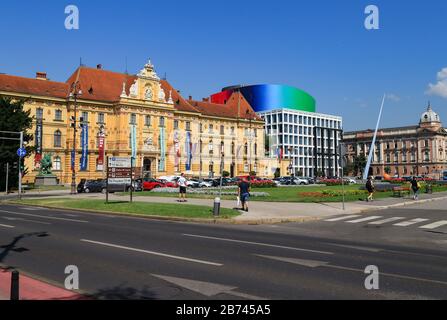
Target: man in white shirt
x,y
182,184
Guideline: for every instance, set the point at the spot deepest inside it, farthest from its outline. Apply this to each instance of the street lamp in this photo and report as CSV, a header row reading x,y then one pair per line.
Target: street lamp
x,y
75,91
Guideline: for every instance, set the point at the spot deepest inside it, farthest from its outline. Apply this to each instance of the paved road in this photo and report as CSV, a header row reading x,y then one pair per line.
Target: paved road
x,y
132,258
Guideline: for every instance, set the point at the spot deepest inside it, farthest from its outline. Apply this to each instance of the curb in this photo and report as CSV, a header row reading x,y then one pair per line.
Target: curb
x,y
34,287
232,221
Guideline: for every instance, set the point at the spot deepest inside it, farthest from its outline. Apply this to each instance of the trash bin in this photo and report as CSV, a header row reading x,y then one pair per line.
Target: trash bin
x,y
429,188
216,210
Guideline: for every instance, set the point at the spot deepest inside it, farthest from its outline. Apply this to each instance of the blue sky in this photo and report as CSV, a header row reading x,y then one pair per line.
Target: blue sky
x,y
320,46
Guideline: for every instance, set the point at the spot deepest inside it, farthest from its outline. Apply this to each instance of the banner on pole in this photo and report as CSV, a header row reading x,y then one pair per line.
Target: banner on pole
x,y
38,156
84,146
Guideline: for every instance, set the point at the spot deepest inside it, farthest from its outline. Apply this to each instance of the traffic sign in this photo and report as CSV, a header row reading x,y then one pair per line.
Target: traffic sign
x,y
21,152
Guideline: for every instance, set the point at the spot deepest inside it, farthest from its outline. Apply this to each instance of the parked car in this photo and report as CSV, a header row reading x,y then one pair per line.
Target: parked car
x,y
169,184
299,181
91,186
349,180
202,183
150,184
311,180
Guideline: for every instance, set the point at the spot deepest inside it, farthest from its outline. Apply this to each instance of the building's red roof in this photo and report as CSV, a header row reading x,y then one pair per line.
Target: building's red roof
x,y
30,86
106,86
235,107
101,85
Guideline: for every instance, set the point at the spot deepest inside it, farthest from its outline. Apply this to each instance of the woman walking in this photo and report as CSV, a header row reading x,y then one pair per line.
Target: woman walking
x,y
370,188
415,186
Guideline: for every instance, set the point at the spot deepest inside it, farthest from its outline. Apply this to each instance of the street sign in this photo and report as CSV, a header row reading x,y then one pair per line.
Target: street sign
x,y
116,162
119,171
21,152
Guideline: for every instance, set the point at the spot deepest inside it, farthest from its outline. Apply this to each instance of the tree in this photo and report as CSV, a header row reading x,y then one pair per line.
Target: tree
x,y
359,164
387,170
13,118
277,173
225,174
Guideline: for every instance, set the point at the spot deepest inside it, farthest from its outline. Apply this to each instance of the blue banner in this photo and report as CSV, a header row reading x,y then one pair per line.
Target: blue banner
x,y
72,160
188,149
133,143
161,164
84,146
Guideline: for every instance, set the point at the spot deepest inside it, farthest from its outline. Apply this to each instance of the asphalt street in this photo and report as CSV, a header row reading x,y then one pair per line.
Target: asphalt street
x,y
136,258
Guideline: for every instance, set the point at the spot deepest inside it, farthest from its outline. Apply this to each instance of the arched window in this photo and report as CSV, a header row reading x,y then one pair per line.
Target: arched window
x,y
232,148
57,139
57,164
246,149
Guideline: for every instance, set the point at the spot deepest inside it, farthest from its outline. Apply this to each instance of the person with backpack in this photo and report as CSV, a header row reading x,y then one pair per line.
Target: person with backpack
x,y
415,186
370,188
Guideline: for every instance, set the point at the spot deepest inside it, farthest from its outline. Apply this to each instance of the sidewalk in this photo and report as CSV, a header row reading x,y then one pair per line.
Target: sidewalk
x,y
264,212
271,212
32,289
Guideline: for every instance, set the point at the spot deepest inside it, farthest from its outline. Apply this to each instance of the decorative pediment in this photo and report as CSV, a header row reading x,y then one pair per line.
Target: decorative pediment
x,y
148,72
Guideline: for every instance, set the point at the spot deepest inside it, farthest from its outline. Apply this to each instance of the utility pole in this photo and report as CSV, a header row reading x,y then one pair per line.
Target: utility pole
x,y
20,167
7,177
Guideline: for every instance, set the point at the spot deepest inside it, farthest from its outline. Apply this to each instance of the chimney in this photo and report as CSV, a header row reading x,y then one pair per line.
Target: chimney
x,y
99,66
190,98
41,75
206,99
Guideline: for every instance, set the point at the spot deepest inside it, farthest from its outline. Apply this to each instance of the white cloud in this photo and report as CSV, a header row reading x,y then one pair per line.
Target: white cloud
x,y
440,88
393,97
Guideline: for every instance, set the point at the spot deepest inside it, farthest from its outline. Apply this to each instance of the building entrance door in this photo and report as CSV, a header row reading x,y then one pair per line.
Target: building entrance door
x,y
147,167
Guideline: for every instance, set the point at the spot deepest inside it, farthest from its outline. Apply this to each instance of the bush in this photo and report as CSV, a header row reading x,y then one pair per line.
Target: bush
x,y
263,184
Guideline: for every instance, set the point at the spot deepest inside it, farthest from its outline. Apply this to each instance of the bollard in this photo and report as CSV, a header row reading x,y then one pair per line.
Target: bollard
x,y
15,285
216,210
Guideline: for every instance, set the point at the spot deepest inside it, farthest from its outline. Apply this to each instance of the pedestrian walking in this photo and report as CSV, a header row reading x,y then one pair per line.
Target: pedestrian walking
x,y
415,187
370,188
182,185
244,194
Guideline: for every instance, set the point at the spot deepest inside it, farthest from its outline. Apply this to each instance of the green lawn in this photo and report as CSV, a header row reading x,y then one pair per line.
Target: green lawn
x,y
138,208
295,194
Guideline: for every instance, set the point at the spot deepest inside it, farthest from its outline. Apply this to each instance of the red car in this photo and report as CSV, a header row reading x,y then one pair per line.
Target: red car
x,y
151,184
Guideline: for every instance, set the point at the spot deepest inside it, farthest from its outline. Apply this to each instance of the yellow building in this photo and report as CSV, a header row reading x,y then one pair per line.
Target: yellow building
x,y
169,134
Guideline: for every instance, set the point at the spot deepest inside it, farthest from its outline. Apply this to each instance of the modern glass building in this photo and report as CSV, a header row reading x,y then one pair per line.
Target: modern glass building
x,y
294,132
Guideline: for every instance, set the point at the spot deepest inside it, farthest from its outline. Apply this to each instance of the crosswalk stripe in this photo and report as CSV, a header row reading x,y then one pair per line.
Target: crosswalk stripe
x,y
343,218
386,220
409,222
434,225
365,219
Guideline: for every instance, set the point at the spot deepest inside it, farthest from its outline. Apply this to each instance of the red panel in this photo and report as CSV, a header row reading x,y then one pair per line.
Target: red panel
x,y
221,97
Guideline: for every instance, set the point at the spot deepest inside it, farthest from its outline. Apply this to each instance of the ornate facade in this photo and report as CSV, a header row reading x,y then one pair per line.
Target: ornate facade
x,y
140,116
405,151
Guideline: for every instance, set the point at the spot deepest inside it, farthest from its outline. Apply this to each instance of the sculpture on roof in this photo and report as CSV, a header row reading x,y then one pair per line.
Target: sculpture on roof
x,y
148,72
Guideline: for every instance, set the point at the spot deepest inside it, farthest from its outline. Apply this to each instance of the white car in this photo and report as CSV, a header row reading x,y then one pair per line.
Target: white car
x,y
350,181
300,181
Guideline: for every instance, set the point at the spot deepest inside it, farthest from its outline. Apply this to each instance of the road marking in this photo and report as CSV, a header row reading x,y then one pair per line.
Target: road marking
x,y
152,253
26,220
393,275
387,220
410,222
364,219
6,226
434,225
301,262
258,244
369,249
208,289
43,217
343,218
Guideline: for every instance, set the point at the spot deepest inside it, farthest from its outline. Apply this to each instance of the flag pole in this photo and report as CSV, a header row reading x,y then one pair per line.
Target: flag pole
x,y
373,145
